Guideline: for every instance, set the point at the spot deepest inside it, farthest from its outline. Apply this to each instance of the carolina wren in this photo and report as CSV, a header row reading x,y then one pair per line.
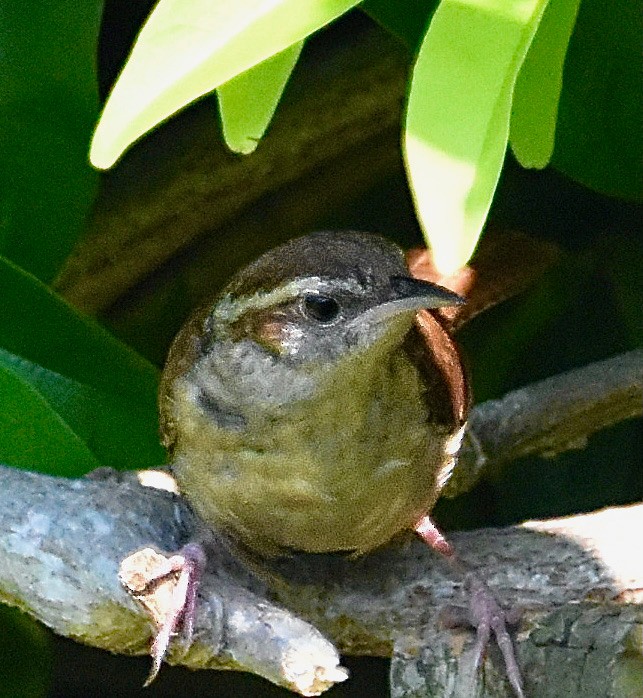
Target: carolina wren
x,y
301,409
309,408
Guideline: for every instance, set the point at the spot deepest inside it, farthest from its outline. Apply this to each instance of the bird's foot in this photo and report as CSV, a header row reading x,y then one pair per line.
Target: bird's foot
x,y
484,613
167,587
488,618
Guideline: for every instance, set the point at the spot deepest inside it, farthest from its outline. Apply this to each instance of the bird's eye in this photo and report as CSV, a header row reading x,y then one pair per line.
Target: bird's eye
x,y
321,308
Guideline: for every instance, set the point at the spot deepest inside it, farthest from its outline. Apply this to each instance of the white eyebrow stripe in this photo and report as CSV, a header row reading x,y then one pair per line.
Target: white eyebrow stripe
x,y
230,310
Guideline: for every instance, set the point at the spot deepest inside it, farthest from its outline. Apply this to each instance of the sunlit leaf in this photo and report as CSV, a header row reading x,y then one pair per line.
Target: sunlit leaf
x,y
458,113
73,397
535,103
188,48
48,108
248,102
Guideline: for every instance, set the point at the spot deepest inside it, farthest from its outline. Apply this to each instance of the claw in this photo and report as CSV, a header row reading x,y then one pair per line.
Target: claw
x,y
485,614
167,588
431,535
488,617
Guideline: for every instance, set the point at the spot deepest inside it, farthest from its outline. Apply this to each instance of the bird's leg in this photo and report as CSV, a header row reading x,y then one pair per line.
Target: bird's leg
x,y
188,564
432,536
484,612
167,587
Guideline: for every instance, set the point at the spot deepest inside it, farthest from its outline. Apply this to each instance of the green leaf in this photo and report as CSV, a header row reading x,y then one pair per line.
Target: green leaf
x,y
40,326
535,103
599,140
188,48
32,434
406,19
248,102
457,121
55,424
72,396
48,108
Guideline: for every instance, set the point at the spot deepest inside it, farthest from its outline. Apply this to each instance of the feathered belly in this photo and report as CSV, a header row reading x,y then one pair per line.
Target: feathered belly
x,y
346,470
348,495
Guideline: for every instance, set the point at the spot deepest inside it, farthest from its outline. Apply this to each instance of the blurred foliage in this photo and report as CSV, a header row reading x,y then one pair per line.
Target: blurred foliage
x,y
537,91
458,113
48,108
471,56
248,102
187,48
405,19
599,142
598,139
73,397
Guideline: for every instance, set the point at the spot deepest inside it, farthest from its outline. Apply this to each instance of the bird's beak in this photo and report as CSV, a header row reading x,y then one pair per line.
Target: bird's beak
x,y
415,294
409,294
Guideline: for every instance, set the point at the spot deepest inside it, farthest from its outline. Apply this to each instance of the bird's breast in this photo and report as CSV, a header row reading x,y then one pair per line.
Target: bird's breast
x,y
344,470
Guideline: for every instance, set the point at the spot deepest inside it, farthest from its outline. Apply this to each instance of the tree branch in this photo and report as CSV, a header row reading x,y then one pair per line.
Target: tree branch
x,y
549,417
578,580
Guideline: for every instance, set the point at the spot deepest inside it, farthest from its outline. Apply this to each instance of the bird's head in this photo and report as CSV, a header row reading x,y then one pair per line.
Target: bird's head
x,y
321,297
319,308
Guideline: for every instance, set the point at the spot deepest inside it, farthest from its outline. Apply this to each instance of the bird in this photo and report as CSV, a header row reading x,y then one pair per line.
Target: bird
x,y
301,409
317,405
